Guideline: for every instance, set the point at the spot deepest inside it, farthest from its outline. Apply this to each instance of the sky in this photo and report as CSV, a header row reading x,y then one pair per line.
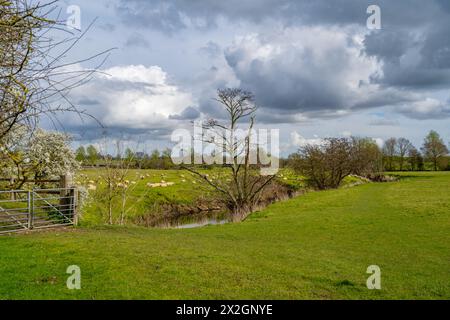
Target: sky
x,y
315,68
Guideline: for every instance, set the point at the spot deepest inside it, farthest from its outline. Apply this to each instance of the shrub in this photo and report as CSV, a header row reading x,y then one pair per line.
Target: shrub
x,y
327,164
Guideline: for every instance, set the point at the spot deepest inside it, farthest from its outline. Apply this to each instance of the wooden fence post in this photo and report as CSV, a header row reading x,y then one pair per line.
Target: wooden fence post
x,y
66,181
65,203
12,181
30,209
75,205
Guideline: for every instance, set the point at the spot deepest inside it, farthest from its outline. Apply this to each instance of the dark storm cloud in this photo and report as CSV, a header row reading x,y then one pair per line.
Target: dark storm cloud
x,y
388,45
189,113
85,101
412,49
174,15
383,122
417,58
444,5
109,27
211,49
87,129
159,15
304,71
137,40
96,133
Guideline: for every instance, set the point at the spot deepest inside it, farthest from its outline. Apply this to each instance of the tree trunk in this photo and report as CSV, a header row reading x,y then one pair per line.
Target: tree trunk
x,y
110,213
240,213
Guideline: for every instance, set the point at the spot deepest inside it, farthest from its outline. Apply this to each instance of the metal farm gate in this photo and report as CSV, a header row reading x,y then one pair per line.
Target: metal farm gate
x,y
37,209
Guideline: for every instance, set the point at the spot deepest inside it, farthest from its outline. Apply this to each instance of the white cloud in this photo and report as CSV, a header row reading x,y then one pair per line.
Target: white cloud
x,y
346,134
379,142
428,108
133,97
298,140
152,75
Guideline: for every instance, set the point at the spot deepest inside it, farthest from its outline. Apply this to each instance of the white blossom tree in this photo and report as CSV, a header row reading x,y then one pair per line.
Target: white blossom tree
x,y
40,155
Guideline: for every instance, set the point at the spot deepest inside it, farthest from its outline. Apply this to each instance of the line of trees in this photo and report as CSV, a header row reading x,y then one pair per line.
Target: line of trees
x,y
400,154
397,154
327,164
90,156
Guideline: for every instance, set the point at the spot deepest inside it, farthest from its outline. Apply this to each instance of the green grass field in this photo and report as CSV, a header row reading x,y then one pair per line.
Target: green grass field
x,y
317,246
141,198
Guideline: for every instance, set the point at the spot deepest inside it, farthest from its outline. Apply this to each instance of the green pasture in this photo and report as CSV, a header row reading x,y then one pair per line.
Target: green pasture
x,y
316,246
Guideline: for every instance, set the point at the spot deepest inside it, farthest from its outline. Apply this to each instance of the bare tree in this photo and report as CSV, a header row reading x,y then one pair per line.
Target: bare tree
x,y
117,186
241,183
117,183
403,146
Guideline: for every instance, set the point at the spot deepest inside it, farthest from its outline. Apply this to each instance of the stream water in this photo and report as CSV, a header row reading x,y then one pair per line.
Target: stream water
x,y
203,223
195,221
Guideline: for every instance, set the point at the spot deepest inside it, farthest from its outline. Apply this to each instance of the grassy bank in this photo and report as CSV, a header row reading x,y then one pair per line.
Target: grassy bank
x,y
184,188
316,246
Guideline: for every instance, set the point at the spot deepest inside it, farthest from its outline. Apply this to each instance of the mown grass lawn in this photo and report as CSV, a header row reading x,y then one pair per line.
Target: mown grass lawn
x,y
316,246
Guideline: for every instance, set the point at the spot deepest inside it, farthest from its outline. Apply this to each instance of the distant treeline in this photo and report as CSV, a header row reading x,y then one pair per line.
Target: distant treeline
x,y
91,157
397,154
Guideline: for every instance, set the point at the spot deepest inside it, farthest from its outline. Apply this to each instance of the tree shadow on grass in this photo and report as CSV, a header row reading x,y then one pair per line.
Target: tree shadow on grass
x,y
413,176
